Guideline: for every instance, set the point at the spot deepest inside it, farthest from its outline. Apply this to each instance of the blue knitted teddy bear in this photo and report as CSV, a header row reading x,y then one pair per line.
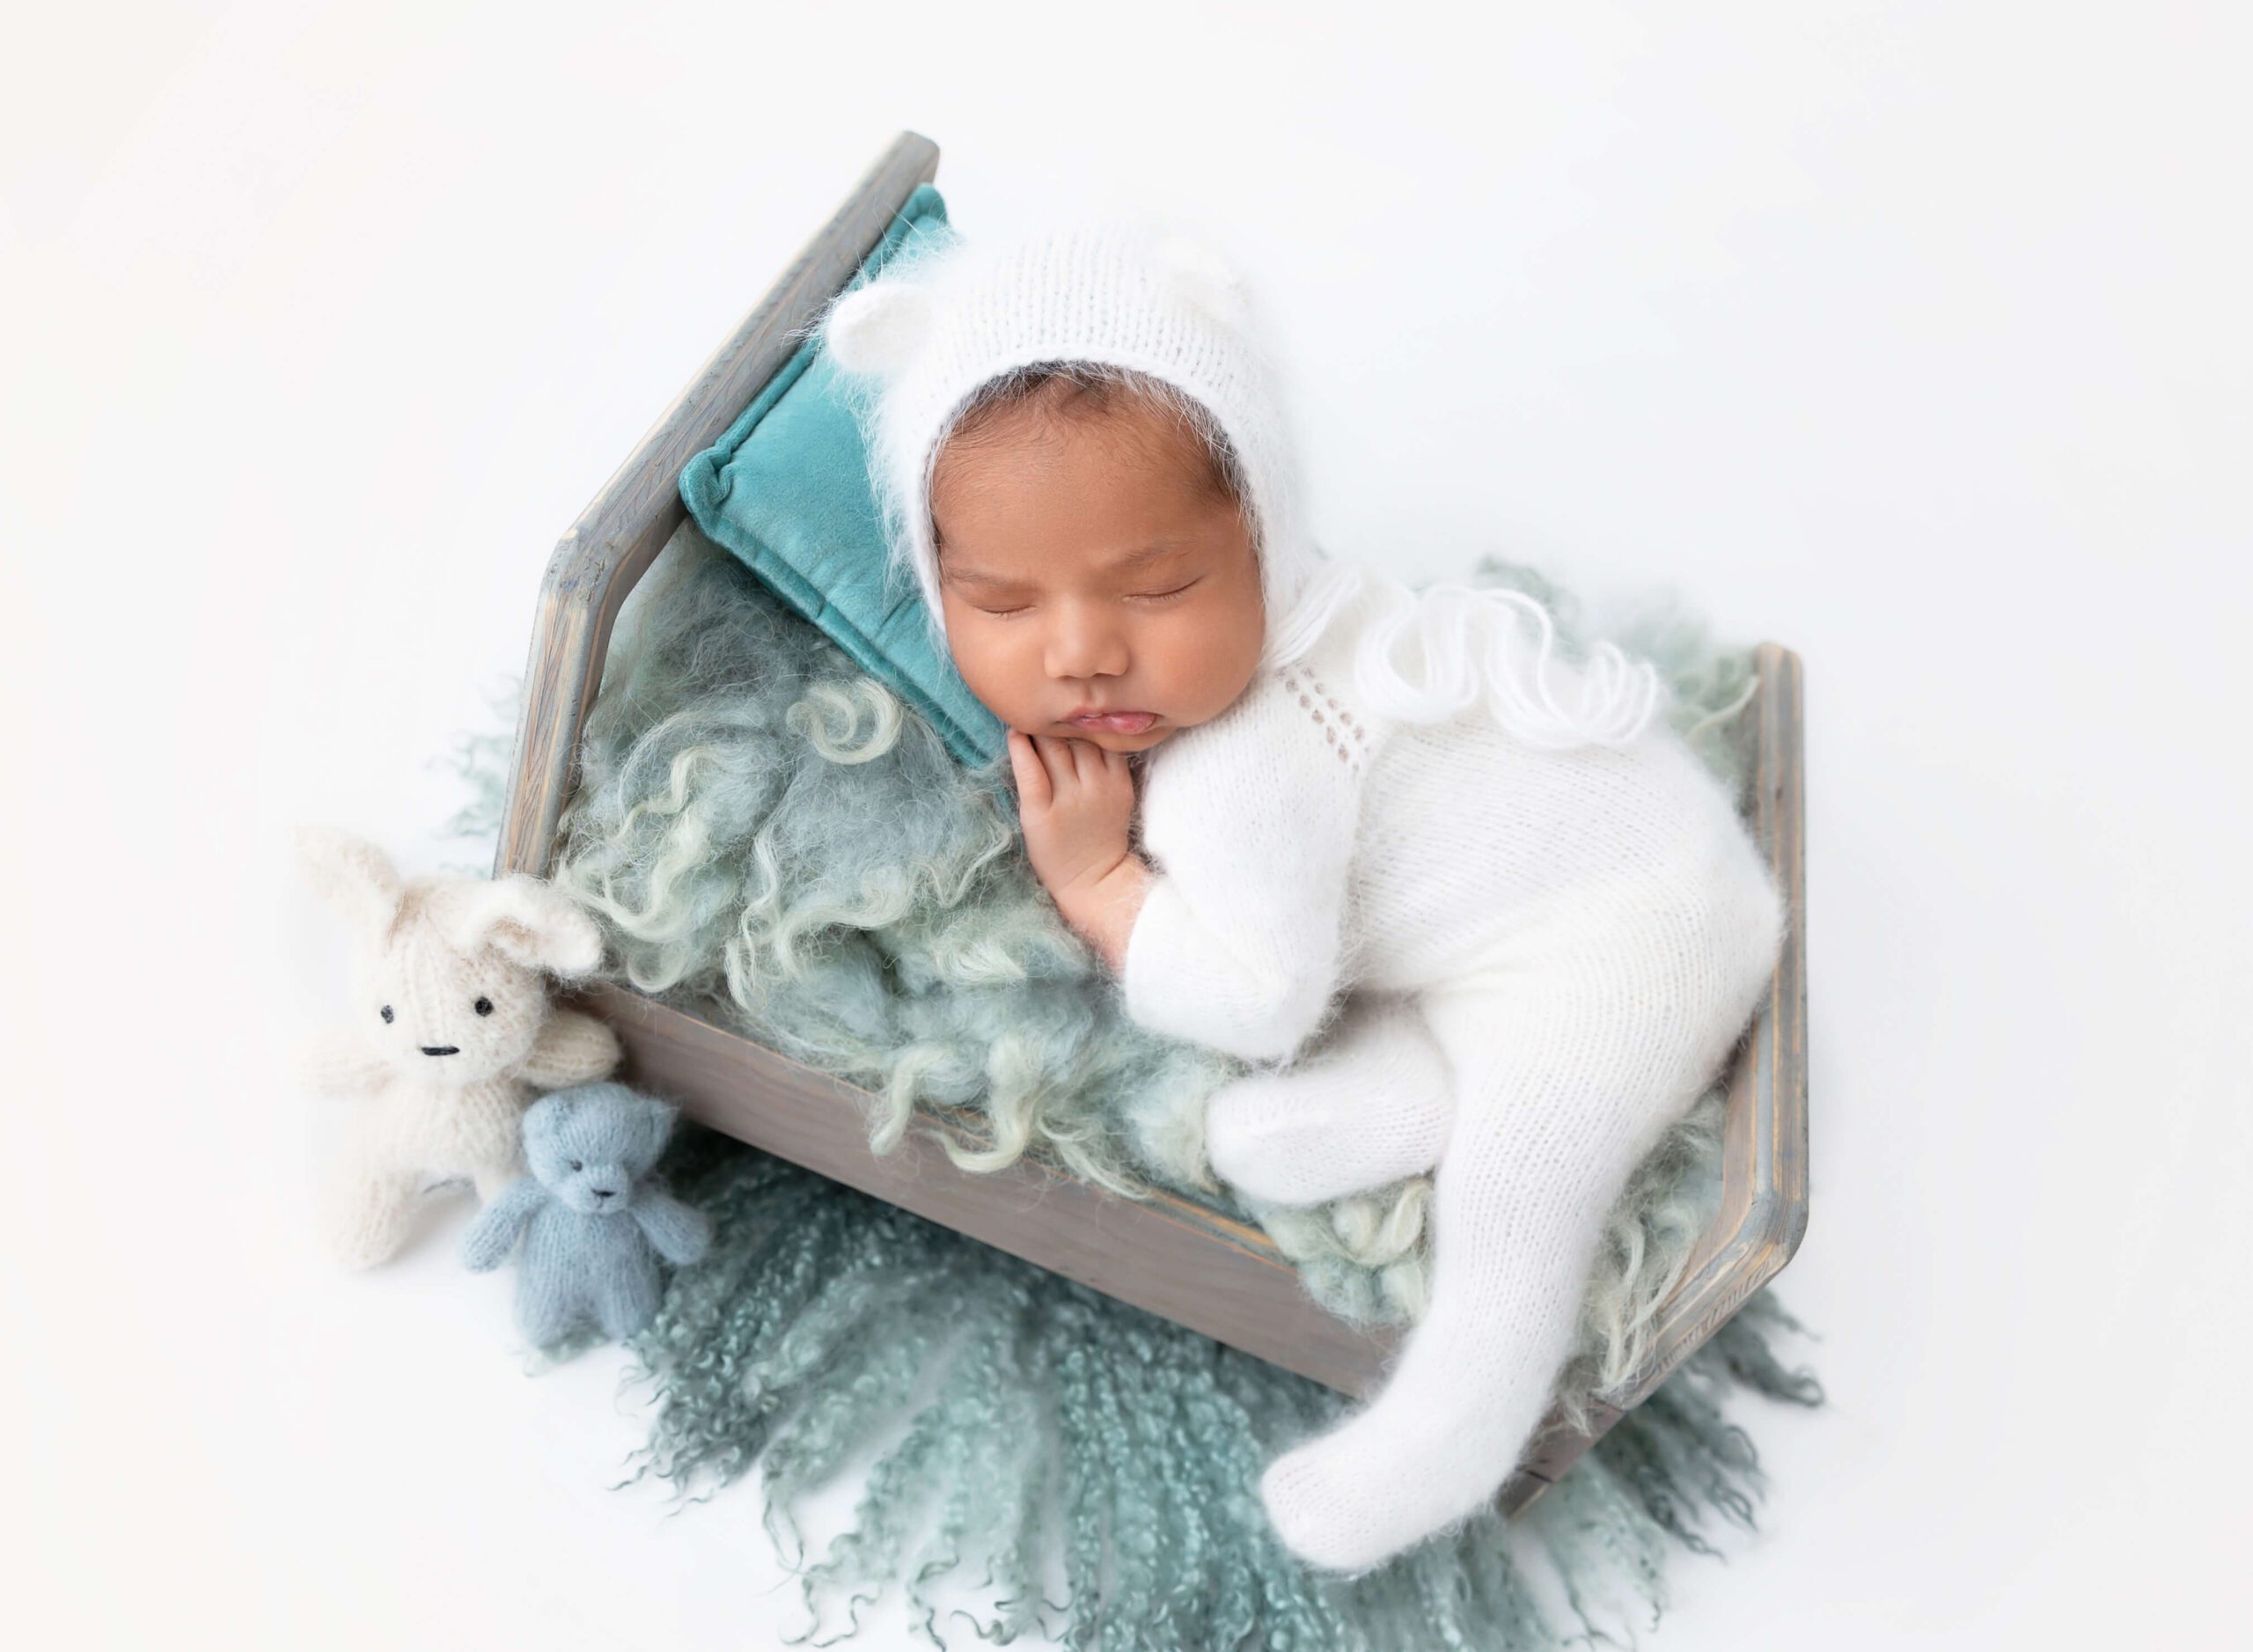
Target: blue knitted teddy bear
x,y
592,1222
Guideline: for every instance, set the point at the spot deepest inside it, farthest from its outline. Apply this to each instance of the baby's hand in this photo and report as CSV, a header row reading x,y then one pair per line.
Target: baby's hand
x,y
1077,804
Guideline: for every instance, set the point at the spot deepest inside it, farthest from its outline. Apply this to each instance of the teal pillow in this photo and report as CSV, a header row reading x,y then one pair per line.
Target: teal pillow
x,y
787,490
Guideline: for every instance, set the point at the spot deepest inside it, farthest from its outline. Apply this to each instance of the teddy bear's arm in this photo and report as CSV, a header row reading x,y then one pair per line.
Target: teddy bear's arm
x,y
571,1049
333,1062
486,1242
680,1233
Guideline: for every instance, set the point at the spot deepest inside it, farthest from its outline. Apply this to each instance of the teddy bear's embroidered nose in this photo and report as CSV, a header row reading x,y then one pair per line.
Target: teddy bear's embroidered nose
x,y
442,1049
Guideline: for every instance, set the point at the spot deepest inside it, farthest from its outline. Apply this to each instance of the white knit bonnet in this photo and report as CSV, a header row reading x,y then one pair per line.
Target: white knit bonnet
x,y
940,323
948,314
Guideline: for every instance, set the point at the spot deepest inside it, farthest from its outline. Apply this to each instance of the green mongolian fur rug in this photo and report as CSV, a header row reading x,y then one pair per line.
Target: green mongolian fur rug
x,y
767,834
1029,1432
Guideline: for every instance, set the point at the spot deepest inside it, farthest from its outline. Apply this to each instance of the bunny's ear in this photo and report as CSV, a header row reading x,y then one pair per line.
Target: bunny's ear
x,y
351,876
1203,276
531,922
880,328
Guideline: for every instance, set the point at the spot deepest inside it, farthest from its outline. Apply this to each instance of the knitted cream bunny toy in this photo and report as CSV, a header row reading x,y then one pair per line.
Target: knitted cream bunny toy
x,y
451,1033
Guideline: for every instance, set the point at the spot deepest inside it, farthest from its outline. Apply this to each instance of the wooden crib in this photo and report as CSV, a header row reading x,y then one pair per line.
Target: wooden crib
x,y
1170,1255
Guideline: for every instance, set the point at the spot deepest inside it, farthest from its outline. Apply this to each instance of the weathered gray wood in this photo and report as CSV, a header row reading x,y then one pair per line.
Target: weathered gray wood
x,y
1762,1214
1171,1256
615,540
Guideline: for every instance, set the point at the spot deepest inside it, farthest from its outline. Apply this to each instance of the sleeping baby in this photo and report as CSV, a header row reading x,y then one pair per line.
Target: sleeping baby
x,y
1466,903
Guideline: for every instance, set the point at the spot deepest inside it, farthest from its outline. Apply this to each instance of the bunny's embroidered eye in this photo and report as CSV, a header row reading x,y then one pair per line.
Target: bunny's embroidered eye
x,y
576,1165
386,1013
483,1006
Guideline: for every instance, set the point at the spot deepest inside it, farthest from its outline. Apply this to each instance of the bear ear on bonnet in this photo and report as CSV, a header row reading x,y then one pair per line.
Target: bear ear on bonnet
x,y
878,329
1204,277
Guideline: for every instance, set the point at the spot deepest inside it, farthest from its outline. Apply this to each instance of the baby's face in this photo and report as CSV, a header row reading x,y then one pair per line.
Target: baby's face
x,y
1086,568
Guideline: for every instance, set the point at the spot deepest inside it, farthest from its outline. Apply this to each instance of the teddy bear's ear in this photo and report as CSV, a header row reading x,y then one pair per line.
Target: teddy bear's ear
x,y
531,922
649,1122
879,328
350,875
1199,274
659,1119
545,1113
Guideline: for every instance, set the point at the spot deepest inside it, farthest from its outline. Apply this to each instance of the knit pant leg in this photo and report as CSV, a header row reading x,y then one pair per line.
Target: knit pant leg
x,y
1371,1108
1560,1100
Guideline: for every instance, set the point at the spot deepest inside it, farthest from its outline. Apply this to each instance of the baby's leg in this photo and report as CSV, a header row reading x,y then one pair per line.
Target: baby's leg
x,y
1560,1102
1370,1109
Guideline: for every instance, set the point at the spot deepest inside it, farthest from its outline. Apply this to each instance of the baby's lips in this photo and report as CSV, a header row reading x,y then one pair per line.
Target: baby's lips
x,y
1119,722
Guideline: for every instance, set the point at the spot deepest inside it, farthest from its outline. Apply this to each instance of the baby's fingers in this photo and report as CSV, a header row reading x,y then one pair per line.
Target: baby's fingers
x,y
1031,774
1056,756
1088,761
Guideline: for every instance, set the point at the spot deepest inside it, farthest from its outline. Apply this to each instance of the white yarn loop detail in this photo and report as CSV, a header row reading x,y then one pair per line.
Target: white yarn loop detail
x,y
1468,647
1329,590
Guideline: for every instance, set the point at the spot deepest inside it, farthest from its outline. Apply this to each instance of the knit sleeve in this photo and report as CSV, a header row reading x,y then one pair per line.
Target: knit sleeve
x,y
1241,944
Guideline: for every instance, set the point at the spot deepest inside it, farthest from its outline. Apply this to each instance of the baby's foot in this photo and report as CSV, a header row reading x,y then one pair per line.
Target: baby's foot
x,y
1349,1501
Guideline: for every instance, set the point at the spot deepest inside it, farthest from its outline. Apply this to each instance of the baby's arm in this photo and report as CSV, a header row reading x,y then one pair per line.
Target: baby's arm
x,y
1076,802
1237,941
1240,944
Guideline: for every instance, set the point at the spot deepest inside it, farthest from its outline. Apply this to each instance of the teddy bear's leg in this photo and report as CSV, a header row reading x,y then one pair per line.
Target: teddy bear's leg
x,y
1371,1108
549,1302
367,1214
1561,1099
627,1297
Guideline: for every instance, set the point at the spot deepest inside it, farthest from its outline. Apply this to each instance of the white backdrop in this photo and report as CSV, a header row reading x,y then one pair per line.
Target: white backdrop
x,y
1913,336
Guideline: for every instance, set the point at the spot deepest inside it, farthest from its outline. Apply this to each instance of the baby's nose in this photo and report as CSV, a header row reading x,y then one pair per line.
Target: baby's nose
x,y
1082,649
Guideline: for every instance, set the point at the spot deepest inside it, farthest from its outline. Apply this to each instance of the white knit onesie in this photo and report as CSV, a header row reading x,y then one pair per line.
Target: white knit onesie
x,y
1549,954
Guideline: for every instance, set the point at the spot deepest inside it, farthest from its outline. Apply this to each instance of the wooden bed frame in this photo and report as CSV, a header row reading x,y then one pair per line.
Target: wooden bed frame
x,y
1171,1256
